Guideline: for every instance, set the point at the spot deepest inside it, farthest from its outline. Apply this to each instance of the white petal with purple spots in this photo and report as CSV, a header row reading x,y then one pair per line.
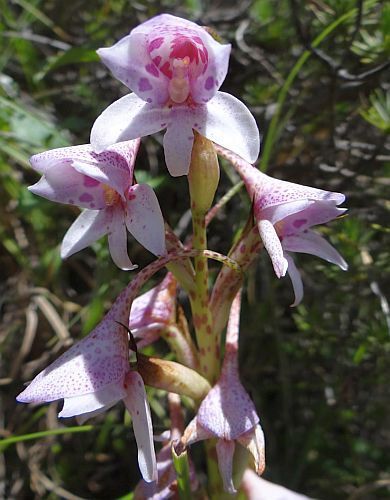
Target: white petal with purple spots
x,y
127,118
63,184
144,219
130,62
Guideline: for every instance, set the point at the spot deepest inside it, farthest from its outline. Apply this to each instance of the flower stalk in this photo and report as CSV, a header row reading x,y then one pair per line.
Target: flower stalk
x,y
203,180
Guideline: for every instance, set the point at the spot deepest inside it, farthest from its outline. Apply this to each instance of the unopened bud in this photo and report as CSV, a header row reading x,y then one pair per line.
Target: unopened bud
x,y
203,176
172,377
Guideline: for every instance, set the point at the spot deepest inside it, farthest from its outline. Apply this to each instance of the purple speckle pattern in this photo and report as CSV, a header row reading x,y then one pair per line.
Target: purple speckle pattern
x,y
90,182
144,85
152,69
98,181
167,42
149,51
209,83
269,192
90,365
227,411
169,63
98,360
86,197
284,213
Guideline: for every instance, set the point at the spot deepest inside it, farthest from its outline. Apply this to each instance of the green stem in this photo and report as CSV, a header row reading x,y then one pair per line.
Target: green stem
x,y
4,443
182,469
273,127
207,342
214,480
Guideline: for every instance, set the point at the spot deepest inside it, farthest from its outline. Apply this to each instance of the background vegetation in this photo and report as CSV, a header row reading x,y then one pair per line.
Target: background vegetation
x,y
314,74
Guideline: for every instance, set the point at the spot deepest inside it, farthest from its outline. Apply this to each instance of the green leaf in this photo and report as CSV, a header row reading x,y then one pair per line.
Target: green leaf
x,y
74,55
4,443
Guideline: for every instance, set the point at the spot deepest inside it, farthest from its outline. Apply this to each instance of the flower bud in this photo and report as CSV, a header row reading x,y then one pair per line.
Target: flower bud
x,y
203,176
172,377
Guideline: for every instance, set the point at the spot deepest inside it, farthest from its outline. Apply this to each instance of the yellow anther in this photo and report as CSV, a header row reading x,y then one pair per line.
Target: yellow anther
x,y
111,197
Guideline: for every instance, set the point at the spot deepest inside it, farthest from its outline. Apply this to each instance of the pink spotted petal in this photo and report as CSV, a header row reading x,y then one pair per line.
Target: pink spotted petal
x,y
227,411
41,162
114,167
229,123
127,118
164,20
225,452
318,212
157,306
206,85
293,209
257,488
144,219
268,192
296,280
272,192
89,226
254,442
117,240
96,402
94,366
63,184
130,62
137,404
314,244
178,140
273,246
210,73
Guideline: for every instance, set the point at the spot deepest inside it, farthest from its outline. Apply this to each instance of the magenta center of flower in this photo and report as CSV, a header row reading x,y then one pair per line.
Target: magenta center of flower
x,y
181,56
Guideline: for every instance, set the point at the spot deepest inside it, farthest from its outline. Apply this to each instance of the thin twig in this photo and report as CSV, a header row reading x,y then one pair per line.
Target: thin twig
x,y
335,67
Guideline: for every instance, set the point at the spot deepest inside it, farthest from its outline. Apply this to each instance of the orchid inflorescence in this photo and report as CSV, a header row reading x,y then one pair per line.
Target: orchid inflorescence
x,y
174,69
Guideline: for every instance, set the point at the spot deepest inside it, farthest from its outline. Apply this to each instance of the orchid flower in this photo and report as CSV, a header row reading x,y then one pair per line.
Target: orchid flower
x,y
154,312
101,184
257,488
174,68
285,213
95,373
92,376
227,412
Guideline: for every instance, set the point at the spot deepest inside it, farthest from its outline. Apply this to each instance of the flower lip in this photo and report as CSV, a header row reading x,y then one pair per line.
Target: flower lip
x,y
168,60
